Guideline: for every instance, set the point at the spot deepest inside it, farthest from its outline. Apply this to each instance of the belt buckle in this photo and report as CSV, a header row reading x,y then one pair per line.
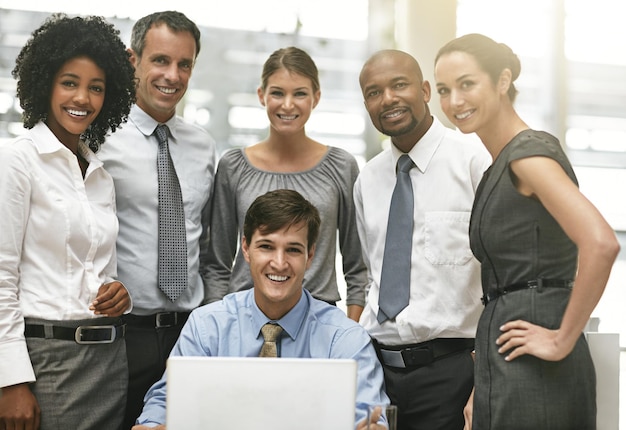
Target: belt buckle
x,y
78,335
392,358
419,356
162,320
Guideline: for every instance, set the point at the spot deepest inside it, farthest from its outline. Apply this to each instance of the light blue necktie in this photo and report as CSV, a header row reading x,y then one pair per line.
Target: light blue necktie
x,y
173,274
396,271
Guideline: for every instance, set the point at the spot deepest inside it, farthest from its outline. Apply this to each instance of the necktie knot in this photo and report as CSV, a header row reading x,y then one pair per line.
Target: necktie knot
x,y
405,163
161,133
271,332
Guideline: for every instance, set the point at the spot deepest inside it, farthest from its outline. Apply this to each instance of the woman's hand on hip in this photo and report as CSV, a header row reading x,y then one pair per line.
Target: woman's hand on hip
x,y
521,337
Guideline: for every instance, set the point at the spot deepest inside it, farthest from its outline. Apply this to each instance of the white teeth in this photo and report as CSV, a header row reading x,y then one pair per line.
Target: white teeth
x,y
288,118
393,114
77,112
167,90
464,115
277,278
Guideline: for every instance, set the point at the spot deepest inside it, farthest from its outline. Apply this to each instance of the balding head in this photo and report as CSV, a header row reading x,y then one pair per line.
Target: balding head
x,y
389,57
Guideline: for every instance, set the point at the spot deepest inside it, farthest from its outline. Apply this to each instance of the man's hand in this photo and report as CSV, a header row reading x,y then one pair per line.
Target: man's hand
x,y
373,422
19,408
112,300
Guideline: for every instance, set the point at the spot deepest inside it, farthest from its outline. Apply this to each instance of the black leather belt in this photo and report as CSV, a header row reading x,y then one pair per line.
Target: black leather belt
x,y
421,354
84,334
536,283
158,320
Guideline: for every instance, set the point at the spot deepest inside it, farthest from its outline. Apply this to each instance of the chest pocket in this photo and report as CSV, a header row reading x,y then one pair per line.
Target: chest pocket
x,y
446,238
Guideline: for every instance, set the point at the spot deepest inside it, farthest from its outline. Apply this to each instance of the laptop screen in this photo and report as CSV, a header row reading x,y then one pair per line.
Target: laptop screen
x,y
235,393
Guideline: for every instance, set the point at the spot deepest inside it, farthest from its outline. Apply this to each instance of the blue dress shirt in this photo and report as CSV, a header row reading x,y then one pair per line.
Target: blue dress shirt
x,y
312,329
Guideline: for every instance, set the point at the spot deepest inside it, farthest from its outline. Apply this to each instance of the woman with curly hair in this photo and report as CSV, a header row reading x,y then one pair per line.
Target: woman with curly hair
x,y
62,355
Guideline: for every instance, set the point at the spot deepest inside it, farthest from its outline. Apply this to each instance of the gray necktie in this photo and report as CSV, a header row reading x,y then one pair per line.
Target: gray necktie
x,y
172,234
396,271
270,332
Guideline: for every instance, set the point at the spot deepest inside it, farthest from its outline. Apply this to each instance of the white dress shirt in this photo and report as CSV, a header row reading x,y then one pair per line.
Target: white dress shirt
x,y
445,276
129,155
57,241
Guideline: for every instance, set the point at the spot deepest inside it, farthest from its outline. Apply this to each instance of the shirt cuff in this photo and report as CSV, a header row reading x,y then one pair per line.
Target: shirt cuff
x,y
15,365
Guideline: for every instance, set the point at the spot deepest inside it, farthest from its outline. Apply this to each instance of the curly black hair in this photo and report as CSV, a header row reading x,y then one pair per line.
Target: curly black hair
x,y
60,39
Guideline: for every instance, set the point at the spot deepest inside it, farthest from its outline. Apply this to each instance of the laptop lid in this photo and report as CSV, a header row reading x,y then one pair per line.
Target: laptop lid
x,y
235,393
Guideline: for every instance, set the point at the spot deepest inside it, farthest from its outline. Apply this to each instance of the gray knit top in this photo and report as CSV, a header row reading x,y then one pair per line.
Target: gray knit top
x,y
328,186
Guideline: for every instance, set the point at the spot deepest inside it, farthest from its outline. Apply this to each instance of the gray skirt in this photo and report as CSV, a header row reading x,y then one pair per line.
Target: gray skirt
x,y
79,386
530,393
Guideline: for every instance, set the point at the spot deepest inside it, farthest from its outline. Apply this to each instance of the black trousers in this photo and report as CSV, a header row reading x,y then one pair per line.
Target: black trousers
x,y
432,397
147,350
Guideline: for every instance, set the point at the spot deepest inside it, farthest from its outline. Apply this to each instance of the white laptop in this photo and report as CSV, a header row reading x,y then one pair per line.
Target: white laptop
x,y
235,393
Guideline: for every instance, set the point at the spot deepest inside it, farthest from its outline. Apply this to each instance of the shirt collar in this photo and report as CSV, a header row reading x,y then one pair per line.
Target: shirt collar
x,y
44,139
146,124
424,150
291,322
47,143
89,155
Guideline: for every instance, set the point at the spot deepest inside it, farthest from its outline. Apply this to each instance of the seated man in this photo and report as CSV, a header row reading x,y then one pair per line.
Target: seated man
x,y
280,231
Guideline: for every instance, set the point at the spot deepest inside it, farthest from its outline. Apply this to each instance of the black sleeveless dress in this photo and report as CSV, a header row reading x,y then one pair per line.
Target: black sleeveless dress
x,y
517,240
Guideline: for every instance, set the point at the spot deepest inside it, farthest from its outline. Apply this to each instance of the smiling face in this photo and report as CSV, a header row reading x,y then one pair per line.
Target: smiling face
x,y
396,97
77,96
278,261
163,70
289,99
468,96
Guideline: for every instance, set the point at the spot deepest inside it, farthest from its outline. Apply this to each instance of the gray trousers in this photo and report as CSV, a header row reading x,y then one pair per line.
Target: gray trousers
x,y
79,386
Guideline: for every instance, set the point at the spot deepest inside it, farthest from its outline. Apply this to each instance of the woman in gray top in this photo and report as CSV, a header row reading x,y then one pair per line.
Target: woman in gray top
x,y
289,159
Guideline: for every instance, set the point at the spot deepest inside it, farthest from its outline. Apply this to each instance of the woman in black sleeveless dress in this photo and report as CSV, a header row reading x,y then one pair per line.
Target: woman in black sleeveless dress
x,y
545,252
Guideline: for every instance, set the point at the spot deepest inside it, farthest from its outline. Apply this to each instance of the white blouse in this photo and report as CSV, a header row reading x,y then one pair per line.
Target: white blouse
x,y
57,239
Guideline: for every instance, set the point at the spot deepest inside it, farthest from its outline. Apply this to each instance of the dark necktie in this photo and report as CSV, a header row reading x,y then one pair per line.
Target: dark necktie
x,y
396,270
270,332
172,234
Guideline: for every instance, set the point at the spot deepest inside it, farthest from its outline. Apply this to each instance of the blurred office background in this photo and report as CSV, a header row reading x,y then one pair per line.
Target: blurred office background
x,y
573,55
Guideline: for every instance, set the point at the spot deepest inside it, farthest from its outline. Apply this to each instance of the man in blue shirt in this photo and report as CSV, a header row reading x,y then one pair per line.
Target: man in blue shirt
x,y
280,231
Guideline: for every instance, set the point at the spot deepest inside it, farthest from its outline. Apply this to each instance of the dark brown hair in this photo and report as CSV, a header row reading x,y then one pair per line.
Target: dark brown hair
x,y
278,209
491,56
293,60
